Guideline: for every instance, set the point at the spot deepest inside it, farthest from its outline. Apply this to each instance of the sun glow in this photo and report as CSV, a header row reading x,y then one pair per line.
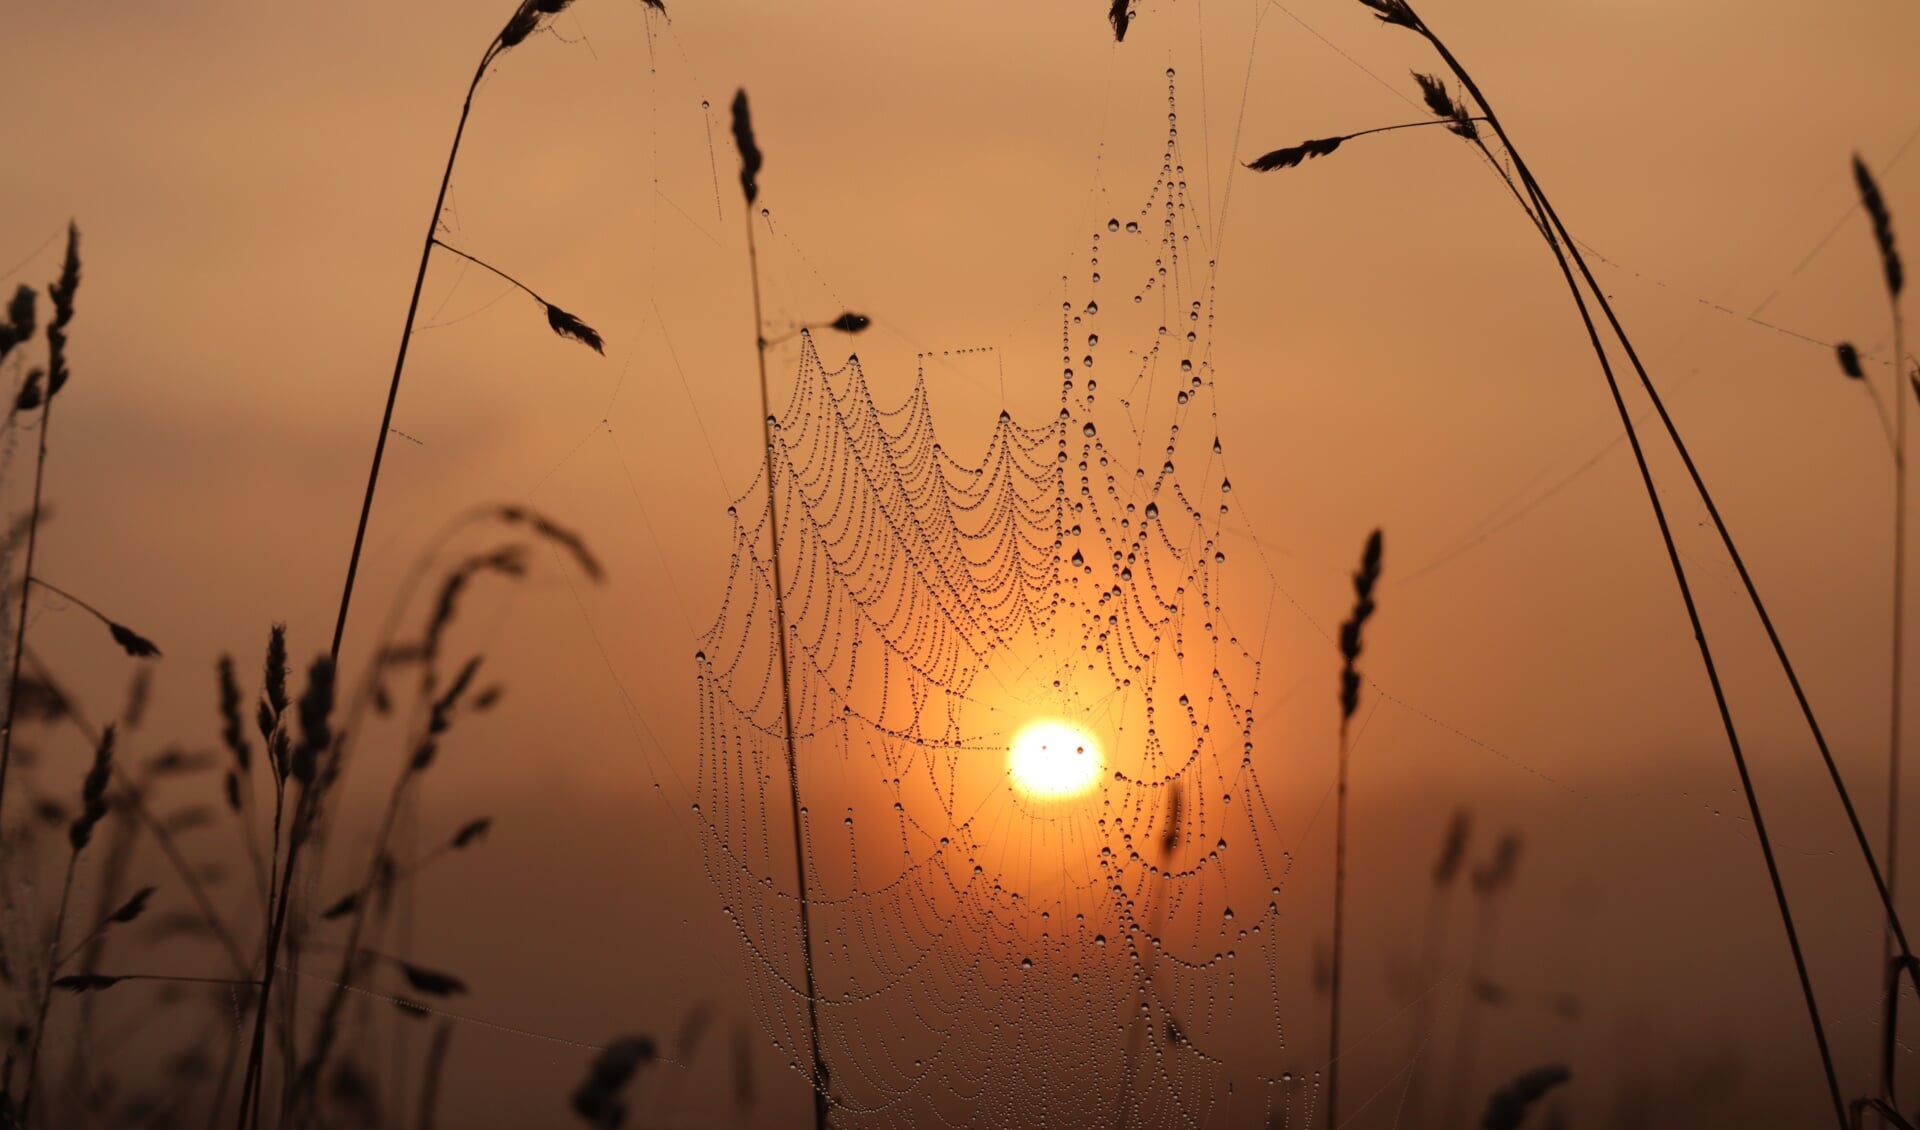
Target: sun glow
x,y
1051,759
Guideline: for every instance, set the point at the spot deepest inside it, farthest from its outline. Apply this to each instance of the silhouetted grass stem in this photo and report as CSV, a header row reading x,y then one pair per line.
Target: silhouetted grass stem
x,y
69,270
1876,209
400,357
1350,644
1561,255
751,159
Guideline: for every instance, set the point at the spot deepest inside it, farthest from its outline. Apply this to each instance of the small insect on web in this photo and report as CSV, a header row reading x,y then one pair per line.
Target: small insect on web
x,y
996,944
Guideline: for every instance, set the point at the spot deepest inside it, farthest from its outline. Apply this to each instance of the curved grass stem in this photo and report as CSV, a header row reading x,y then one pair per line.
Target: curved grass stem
x,y
1567,255
406,337
20,627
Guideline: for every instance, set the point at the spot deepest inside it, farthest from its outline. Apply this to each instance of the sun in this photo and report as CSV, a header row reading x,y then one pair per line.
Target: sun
x,y
1052,759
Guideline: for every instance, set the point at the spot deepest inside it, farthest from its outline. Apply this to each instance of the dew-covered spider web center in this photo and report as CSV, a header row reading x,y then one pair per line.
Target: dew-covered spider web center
x,y
1013,756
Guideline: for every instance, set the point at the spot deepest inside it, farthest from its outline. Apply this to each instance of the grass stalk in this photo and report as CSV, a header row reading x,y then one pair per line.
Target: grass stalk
x,y
1339,931
1895,276
750,167
1898,681
134,800
317,739
46,993
1881,886
327,1028
1364,581
1489,885
1567,254
1432,953
93,798
63,300
435,1069
1540,212
406,337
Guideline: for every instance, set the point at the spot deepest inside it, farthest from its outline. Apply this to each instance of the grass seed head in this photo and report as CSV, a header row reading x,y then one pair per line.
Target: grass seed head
x,y
132,642
1292,155
1453,849
93,792
1849,360
18,327
1876,207
1442,103
431,981
230,731
750,159
1393,12
275,686
1507,1108
566,325
30,397
134,907
61,292
316,713
597,1099
85,982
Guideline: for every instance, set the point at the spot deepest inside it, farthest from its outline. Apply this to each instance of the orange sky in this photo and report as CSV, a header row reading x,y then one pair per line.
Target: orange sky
x,y
1391,348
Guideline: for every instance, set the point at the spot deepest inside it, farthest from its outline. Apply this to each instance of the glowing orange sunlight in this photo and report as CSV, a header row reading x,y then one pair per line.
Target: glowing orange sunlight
x,y
1052,759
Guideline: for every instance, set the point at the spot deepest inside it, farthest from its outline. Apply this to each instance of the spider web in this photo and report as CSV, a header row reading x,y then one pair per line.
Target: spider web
x,y
981,957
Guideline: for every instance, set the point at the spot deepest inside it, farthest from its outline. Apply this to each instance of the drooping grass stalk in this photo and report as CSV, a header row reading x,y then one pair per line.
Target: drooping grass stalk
x,y
1364,580
750,161
406,338
1706,655
370,686
441,710
132,642
1322,146
1567,255
1554,225
61,293
525,20
1540,212
423,753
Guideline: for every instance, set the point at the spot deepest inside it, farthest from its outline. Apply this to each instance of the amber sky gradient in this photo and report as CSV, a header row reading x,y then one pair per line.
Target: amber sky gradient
x,y
1393,349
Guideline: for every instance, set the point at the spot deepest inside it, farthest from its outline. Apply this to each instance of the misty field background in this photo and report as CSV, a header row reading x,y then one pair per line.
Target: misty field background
x,y
1387,346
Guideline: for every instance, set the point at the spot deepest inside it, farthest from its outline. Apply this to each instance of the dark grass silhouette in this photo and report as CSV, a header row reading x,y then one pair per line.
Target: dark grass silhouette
x,y
1446,868
130,641
1491,882
20,315
1507,1108
561,322
302,751
527,18
1364,580
751,161
1533,200
1894,275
